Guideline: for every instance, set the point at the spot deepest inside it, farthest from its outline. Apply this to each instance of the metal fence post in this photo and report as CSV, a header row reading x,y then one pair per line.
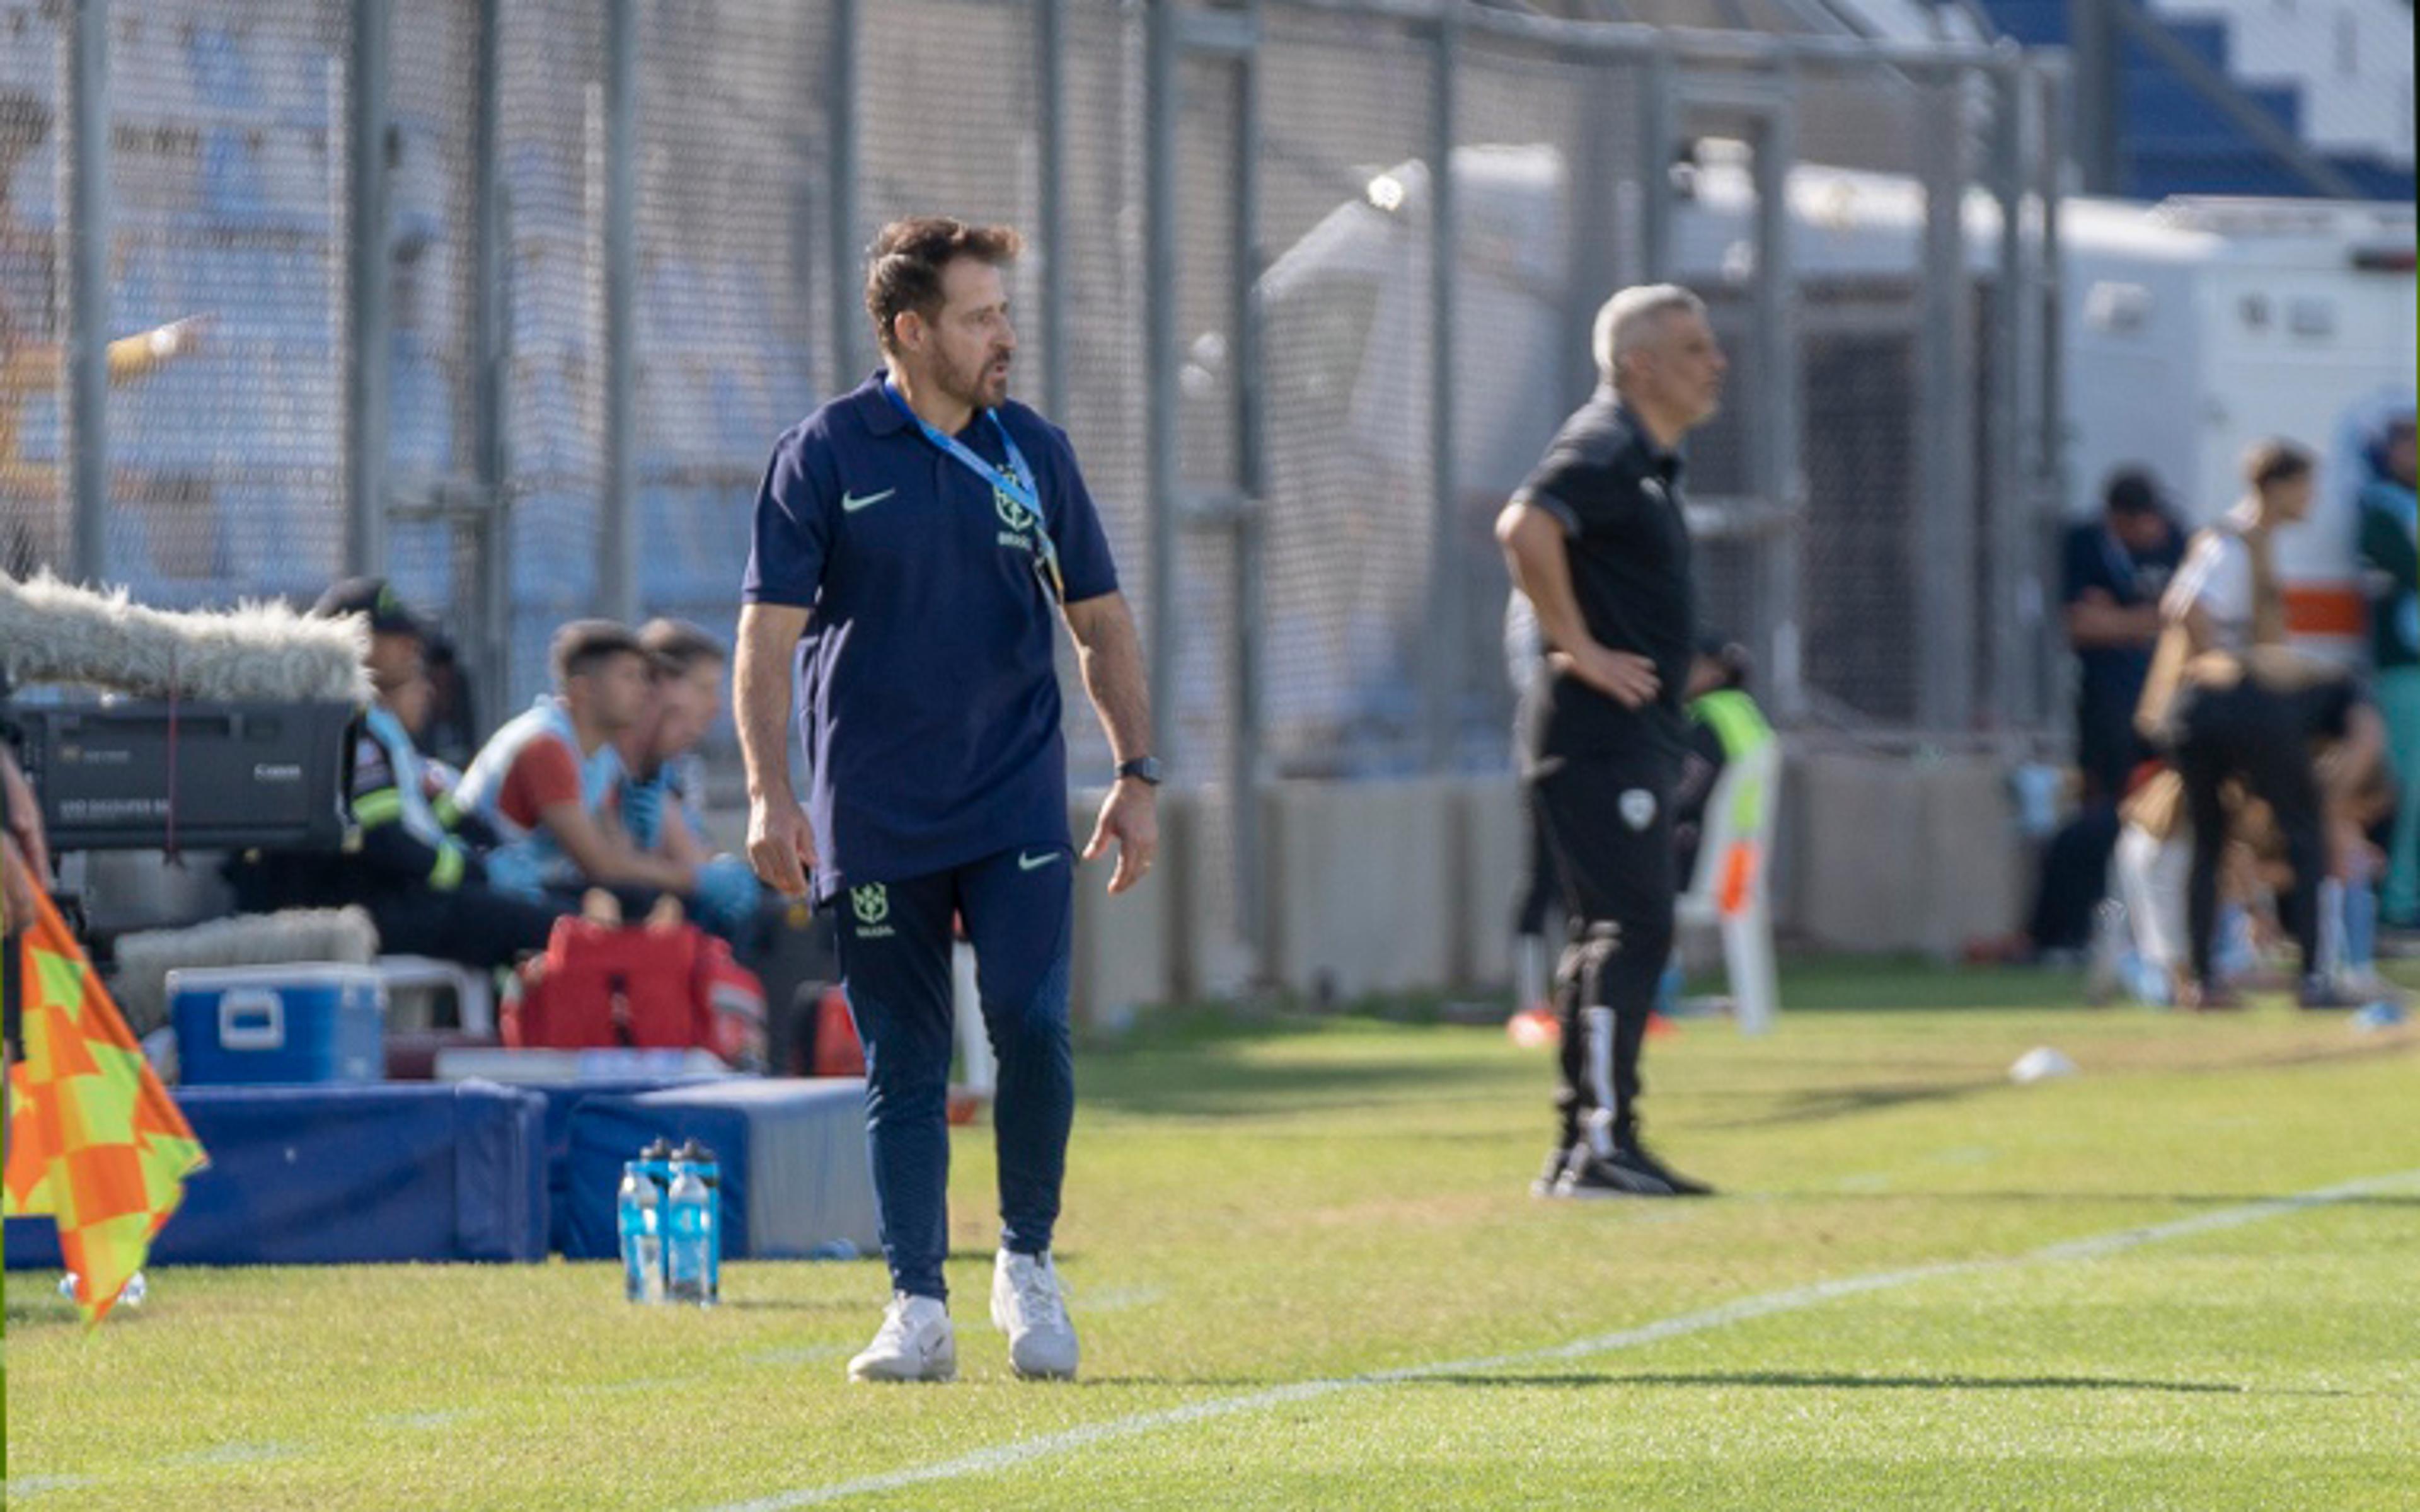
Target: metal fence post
x,y
2048,442
1050,40
2099,99
1944,523
618,558
83,252
2009,490
847,253
1595,266
491,388
1251,483
1160,357
1658,137
1441,682
1777,453
363,348
2050,184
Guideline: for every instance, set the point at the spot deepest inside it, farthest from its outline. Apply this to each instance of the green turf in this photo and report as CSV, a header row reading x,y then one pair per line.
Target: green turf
x,y
1289,1202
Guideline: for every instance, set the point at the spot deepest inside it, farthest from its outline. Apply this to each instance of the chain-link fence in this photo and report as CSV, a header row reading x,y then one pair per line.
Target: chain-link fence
x,y
33,324
1309,284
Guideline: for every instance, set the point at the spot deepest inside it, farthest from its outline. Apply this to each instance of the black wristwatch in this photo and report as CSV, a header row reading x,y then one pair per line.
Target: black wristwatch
x,y
1143,769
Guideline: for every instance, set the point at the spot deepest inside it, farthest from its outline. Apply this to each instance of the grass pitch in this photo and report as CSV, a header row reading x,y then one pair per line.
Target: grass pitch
x,y
1309,1275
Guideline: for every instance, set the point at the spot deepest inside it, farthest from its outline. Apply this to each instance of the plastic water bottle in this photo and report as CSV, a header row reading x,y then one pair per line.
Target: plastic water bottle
x,y
689,1255
640,1213
709,1170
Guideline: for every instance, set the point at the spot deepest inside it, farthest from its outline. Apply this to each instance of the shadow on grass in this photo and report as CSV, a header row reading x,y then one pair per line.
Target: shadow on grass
x,y
1221,1079
57,1312
1823,1380
1817,1105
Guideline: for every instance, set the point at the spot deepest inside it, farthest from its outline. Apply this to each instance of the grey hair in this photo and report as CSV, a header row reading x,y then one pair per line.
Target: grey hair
x,y
1625,320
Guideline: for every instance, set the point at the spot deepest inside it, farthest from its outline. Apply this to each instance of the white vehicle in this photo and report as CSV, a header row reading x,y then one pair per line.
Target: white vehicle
x,y
2189,330
2197,327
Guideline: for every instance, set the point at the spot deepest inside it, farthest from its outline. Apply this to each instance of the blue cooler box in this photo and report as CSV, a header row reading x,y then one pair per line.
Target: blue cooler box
x,y
295,1024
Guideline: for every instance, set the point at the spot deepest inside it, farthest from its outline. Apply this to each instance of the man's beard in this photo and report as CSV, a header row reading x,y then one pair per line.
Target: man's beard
x,y
974,388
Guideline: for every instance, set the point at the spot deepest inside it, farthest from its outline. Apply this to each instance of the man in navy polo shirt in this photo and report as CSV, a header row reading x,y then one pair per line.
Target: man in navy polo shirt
x,y
914,541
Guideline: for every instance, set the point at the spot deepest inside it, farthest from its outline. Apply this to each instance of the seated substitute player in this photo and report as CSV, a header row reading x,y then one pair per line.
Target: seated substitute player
x,y
546,781
658,793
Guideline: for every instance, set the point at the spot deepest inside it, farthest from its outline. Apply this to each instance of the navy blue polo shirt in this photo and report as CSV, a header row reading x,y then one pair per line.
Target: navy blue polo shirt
x,y
928,702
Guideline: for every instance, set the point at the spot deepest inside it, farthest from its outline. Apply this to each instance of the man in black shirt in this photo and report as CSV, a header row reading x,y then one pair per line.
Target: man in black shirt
x,y
1597,540
2115,571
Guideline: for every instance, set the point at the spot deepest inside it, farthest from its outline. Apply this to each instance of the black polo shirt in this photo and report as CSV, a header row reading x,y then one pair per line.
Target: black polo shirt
x,y
1619,498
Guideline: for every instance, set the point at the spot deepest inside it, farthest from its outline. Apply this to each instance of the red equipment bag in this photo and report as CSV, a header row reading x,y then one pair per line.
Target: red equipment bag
x,y
653,987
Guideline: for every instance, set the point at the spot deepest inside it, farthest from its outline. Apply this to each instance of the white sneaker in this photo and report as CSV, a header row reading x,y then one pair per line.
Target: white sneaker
x,y
915,1343
1025,1300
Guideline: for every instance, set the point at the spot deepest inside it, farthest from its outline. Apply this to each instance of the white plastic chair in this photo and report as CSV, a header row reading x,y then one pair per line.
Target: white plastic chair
x,y
1731,888
474,991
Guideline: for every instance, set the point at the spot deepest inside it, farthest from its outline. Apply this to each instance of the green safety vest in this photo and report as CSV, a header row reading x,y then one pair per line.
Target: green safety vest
x,y
1739,724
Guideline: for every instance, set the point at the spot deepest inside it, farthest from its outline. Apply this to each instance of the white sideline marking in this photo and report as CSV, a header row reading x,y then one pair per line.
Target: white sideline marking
x,y
1048,1446
36,1485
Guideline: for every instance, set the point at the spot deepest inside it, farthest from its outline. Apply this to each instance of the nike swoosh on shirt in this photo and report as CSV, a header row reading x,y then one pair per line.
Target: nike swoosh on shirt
x,y
851,503
1035,863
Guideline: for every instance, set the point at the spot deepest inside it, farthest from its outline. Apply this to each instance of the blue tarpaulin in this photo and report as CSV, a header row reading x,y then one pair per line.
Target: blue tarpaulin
x,y
795,1172
335,1175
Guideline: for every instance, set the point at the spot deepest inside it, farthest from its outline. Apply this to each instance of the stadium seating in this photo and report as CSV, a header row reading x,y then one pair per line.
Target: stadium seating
x,y
2341,82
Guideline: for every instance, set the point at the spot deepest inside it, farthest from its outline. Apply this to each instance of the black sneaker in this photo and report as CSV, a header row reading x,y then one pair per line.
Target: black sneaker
x,y
1630,1171
1558,1160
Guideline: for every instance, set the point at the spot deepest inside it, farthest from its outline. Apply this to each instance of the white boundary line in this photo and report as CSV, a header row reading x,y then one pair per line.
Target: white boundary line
x,y
1050,1445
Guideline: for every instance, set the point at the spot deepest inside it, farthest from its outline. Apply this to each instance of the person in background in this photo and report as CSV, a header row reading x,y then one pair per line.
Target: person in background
x,y
422,882
657,796
1725,726
1537,909
2115,570
2228,595
1598,541
451,736
2259,719
2390,561
547,781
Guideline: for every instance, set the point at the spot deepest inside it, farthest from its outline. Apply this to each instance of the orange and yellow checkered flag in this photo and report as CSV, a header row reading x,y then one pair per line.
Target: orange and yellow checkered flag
x,y
93,1138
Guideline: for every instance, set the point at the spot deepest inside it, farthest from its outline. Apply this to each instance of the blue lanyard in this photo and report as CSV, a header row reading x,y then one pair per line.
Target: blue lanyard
x,y
1016,486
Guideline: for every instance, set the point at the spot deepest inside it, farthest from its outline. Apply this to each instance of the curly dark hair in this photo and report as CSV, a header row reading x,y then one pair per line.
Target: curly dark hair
x,y
904,271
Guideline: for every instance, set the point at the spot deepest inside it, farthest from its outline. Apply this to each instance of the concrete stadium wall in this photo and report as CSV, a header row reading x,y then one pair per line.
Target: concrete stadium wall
x,y
1894,853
